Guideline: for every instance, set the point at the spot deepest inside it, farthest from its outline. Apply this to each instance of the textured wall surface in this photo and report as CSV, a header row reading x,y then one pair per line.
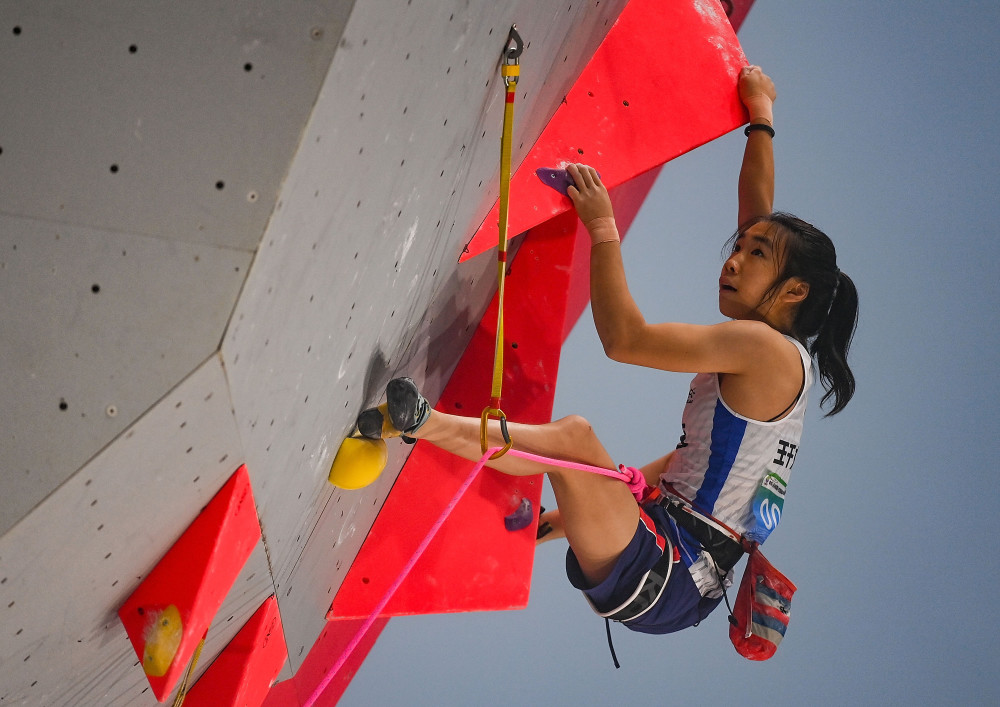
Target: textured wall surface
x,y
143,150
223,227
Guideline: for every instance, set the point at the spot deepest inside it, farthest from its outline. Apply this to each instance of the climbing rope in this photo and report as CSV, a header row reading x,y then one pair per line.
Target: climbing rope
x,y
510,69
633,477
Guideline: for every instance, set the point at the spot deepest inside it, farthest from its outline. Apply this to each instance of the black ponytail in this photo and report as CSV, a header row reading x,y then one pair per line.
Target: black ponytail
x,y
826,319
832,343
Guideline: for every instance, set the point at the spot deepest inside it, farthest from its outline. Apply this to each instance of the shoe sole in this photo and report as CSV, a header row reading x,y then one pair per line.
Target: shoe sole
x,y
402,396
370,423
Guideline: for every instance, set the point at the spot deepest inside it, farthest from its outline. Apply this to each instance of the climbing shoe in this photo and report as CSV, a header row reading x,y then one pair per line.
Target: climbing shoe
x,y
372,423
407,408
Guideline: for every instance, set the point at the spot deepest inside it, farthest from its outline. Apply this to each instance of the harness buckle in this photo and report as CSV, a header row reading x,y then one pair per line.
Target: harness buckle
x,y
720,541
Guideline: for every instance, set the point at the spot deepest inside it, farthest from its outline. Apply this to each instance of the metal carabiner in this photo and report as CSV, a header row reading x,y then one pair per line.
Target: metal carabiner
x,y
511,54
484,444
510,69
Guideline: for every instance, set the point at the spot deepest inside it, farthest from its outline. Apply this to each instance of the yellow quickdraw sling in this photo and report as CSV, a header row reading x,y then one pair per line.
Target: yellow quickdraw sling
x,y
510,70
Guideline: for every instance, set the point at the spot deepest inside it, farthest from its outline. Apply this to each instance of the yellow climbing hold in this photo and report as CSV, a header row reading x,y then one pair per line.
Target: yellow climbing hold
x,y
359,462
163,638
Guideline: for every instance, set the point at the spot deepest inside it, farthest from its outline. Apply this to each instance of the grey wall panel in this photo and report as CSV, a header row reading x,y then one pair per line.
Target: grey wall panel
x,y
66,568
96,327
145,149
175,119
357,279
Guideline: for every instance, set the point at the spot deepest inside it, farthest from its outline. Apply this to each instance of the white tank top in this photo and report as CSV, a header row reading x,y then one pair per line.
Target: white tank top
x,y
723,458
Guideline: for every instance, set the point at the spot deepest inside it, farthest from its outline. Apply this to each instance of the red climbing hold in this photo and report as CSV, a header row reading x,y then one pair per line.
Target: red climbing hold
x,y
244,671
662,83
171,610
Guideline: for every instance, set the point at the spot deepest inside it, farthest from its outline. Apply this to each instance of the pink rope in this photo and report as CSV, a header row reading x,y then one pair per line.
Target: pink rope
x,y
631,476
363,629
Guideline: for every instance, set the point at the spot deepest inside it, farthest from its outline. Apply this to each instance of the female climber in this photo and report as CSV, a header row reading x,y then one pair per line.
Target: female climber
x,y
659,563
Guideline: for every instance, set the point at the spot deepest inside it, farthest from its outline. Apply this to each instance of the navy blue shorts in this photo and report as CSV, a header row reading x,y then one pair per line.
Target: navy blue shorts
x,y
679,606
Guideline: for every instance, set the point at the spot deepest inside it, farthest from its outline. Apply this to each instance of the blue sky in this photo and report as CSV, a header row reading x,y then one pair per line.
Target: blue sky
x,y
887,134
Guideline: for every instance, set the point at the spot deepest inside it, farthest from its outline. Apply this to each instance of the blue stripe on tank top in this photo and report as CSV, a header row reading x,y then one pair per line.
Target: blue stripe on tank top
x,y
727,436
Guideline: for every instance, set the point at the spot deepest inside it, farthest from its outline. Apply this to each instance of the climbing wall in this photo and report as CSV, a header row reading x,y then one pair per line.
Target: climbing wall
x,y
660,84
223,227
357,281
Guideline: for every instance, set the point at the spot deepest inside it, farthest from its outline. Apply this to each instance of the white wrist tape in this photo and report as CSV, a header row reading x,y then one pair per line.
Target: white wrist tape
x,y
603,230
760,107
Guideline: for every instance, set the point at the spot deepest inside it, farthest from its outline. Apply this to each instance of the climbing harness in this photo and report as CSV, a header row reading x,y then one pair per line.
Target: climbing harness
x,y
510,69
763,602
722,543
647,592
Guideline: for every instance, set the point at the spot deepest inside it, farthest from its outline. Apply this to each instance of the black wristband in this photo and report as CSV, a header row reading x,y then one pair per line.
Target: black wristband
x,y
759,126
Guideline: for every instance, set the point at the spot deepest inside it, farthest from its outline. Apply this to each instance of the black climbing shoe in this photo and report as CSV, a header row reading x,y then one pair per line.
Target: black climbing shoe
x,y
370,423
407,408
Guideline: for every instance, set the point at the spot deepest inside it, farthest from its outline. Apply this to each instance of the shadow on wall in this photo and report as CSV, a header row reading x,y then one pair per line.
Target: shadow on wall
x,y
437,335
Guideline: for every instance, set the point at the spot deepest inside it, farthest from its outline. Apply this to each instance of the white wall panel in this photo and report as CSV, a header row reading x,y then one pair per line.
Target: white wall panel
x,y
97,326
142,146
66,568
175,119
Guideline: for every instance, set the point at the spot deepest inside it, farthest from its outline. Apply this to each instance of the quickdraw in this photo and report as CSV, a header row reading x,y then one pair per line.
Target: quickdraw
x,y
510,70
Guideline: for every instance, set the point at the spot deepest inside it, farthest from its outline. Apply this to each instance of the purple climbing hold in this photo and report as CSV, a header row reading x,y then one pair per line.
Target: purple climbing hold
x,y
558,179
521,518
